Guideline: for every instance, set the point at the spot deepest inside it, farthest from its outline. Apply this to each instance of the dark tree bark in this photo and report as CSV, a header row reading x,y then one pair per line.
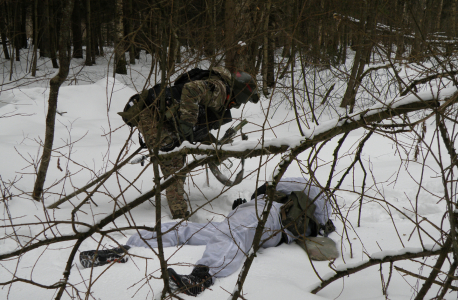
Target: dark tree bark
x,y
33,18
16,30
254,54
209,42
451,29
55,83
174,46
98,10
230,28
100,38
120,57
436,270
52,33
43,34
35,38
136,26
418,14
3,31
129,31
88,34
400,40
23,34
94,44
453,19
77,33
265,47
155,160
364,47
270,59
439,15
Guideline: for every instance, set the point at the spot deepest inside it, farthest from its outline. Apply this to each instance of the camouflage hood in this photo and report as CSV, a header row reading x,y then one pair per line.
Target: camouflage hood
x,y
225,74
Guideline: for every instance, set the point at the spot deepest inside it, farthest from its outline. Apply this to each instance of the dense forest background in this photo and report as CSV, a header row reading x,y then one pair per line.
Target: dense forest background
x,y
245,34
363,71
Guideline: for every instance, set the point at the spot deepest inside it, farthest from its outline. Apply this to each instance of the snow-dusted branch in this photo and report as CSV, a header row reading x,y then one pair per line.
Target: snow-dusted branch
x,y
413,85
378,259
247,149
326,131
87,232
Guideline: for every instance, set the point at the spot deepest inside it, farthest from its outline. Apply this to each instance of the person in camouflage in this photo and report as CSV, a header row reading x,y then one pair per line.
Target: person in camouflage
x,y
216,94
148,127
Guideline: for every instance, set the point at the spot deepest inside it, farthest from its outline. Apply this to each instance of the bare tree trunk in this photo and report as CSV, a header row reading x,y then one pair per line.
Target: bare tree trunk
x,y
439,14
16,35
418,21
436,270
364,48
129,31
254,52
97,32
270,79
88,34
453,25
55,83
52,34
173,48
174,43
120,57
265,48
155,150
320,30
229,45
451,30
43,34
94,46
95,7
289,24
100,38
23,34
35,39
400,41
76,31
209,42
3,30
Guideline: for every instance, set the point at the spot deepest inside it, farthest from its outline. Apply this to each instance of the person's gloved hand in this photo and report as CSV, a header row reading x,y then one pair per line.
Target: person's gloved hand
x,y
238,202
185,129
171,146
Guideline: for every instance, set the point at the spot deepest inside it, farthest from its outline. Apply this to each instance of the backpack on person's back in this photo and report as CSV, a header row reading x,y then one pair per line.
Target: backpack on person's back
x,y
148,98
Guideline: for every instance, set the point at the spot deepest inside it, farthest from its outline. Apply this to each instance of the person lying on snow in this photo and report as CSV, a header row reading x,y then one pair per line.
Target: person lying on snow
x,y
299,209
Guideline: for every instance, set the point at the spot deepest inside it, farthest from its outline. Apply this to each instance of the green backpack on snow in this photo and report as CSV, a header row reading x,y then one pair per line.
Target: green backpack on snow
x,y
297,211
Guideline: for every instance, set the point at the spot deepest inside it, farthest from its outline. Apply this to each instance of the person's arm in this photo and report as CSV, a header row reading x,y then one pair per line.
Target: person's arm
x,y
209,93
260,191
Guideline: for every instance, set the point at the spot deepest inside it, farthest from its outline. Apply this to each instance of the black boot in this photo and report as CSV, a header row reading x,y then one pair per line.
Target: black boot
x,y
192,284
95,258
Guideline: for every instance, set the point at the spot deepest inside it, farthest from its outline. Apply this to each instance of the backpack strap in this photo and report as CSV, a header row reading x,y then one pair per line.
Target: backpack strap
x,y
134,107
297,214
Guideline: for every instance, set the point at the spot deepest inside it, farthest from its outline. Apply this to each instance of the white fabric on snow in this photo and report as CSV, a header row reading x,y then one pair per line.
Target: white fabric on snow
x,y
229,241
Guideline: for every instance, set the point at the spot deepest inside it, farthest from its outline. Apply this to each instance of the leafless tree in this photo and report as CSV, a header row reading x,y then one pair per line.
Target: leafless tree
x,y
351,65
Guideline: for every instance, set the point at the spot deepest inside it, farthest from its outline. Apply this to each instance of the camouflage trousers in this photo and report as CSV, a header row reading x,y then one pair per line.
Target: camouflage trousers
x,y
148,127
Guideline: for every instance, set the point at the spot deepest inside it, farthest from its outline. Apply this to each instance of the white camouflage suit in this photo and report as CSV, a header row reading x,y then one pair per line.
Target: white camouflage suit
x,y
226,240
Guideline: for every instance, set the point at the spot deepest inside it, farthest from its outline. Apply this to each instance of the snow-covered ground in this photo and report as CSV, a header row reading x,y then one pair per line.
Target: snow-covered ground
x,y
88,138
